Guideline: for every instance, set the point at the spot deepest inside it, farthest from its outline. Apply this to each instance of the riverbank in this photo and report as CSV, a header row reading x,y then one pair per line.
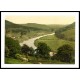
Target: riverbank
x,y
31,41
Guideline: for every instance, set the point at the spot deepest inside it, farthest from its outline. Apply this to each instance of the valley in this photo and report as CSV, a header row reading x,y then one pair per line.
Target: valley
x,y
32,43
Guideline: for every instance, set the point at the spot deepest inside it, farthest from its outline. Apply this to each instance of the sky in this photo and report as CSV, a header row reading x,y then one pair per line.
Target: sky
x,y
41,19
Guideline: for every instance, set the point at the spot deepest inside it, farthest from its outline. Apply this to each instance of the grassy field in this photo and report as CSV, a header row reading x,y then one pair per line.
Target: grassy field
x,y
33,61
53,42
15,61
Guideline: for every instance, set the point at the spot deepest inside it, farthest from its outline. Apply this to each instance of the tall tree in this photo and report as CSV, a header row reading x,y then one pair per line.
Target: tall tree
x,y
65,53
25,49
43,50
13,46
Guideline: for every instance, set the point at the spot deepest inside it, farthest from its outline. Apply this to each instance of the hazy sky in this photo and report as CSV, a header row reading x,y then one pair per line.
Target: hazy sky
x,y
41,19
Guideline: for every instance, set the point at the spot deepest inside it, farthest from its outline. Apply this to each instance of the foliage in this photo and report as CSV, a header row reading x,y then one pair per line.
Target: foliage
x,y
27,50
31,51
6,51
43,50
12,45
65,53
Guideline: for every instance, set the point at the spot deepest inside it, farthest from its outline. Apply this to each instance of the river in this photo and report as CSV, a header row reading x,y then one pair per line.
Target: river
x,y
30,42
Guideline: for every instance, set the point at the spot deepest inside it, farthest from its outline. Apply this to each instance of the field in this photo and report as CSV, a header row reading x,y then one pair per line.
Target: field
x,y
53,42
14,61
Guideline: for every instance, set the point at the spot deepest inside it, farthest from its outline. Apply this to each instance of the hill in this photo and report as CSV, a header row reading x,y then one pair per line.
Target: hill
x,y
50,27
67,33
23,32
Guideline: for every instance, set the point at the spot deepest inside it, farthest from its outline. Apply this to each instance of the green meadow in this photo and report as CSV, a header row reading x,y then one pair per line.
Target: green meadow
x,y
53,42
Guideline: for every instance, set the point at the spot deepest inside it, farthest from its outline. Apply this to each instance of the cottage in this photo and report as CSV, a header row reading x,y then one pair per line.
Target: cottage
x,y
52,53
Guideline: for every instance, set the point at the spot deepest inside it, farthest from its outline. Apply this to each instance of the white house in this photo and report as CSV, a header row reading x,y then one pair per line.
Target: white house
x,y
52,54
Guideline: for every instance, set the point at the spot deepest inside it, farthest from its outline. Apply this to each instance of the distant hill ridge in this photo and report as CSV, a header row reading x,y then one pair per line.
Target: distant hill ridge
x,y
67,32
31,26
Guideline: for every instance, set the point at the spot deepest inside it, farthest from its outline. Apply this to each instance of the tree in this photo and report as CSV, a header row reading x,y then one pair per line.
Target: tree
x,y
43,50
31,51
13,46
65,53
25,49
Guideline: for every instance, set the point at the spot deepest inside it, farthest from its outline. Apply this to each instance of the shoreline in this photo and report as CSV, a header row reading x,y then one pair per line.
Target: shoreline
x,y
30,42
